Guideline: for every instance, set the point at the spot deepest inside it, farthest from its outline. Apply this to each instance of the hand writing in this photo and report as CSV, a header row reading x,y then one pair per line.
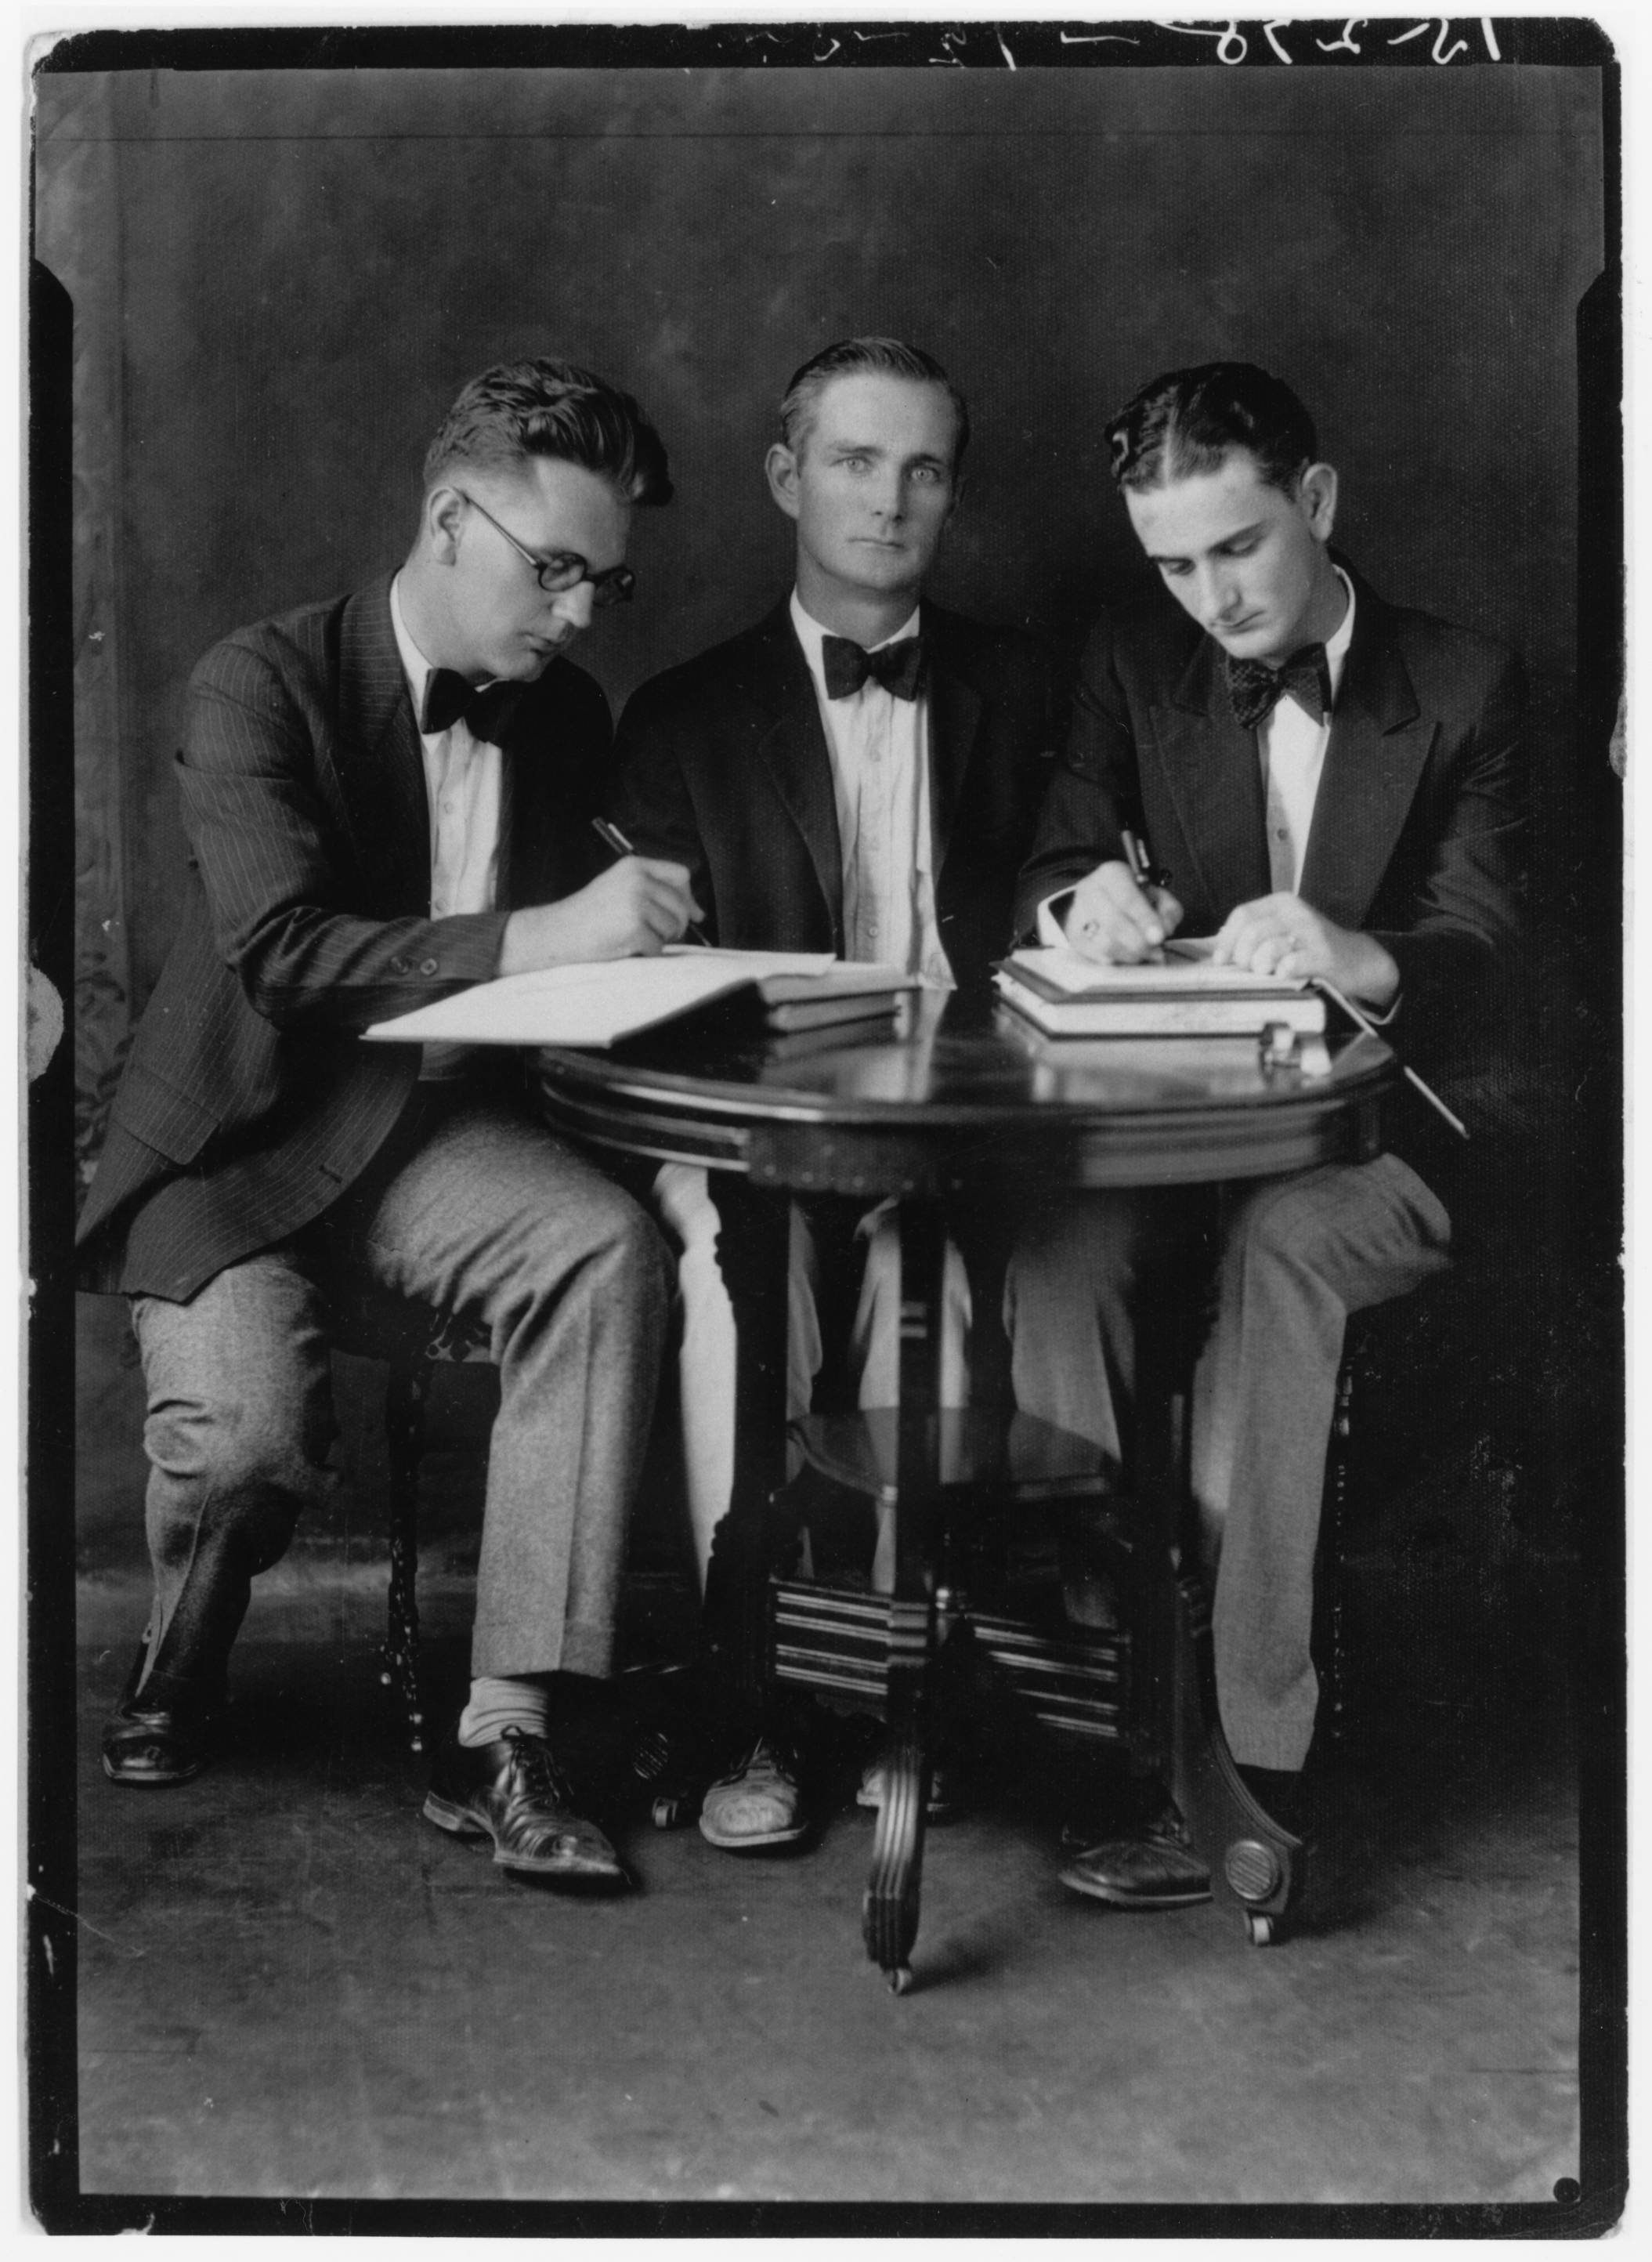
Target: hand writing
x,y
631,911
1113,921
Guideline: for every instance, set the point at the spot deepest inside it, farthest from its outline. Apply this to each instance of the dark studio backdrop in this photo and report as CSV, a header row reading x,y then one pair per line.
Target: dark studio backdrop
x,y
279,278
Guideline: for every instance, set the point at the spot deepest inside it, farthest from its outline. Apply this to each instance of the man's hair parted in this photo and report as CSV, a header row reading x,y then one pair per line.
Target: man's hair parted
x,y
519,409
1190,419
861,357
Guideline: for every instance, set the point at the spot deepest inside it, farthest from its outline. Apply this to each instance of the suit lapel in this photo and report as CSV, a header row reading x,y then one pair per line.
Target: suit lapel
x,y
380,760
790,744
955,708
1213,775
1378,744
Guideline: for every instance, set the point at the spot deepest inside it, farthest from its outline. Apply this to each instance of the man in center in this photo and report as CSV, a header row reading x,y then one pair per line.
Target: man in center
x,y
859,773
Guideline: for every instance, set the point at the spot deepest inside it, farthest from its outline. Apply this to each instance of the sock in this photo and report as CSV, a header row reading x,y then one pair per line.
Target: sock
x,y
1274,1790
497,1703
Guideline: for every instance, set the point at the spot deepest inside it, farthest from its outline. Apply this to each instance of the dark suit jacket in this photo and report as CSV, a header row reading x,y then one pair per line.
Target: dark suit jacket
x,y
723,763
248,1103
1419,829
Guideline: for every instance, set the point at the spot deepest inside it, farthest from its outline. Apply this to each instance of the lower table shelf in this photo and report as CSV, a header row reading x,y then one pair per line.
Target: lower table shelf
x,y
836,1641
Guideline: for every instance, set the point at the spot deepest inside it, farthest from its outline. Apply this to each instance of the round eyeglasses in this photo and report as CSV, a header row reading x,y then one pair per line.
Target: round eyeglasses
x,y
567,570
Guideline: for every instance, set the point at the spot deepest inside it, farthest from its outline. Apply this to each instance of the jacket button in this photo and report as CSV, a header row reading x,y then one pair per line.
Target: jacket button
x,y
398,966
429,966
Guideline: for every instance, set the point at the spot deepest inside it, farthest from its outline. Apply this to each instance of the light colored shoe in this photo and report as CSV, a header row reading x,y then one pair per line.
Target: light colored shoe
x,y
944,1789
758,1803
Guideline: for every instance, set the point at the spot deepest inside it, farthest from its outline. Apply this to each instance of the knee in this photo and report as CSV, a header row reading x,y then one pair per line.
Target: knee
x,y
628,1258
249,1464
1073,1257
1288,1229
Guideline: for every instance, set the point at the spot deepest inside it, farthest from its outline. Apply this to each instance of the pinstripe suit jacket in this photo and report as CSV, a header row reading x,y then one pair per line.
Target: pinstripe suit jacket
x,y
248,1103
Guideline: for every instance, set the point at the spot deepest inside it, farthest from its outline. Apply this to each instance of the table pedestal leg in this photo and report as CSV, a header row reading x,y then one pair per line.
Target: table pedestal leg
x,y
1253,1862
752,1245
889,1911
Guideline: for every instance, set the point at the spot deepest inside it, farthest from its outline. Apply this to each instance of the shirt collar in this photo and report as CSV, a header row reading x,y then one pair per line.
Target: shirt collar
x,y
1336,646
811,634
414,666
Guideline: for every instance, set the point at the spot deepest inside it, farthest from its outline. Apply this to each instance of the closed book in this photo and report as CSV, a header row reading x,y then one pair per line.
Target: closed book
x,y
1151,1008
797,1044
821,1012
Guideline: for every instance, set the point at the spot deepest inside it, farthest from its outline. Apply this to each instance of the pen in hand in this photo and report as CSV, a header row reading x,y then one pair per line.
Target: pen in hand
x,y
1142,869
1142,872
611,836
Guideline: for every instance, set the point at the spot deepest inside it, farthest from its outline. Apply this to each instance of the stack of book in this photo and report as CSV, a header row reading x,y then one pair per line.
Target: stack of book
x,y
799,999
1181,995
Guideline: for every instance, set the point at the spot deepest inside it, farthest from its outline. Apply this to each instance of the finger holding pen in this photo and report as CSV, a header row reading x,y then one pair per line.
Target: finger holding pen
x,y
1114,921
665,887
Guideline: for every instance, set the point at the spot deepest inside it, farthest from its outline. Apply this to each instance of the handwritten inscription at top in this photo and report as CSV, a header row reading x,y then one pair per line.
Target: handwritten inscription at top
x,y
1233,45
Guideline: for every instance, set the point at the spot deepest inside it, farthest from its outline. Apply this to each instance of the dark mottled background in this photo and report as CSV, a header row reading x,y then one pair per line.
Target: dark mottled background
x,y
281,276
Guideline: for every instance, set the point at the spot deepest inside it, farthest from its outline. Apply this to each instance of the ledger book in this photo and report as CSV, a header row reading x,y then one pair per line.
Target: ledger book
x,y
1182,996
602,1001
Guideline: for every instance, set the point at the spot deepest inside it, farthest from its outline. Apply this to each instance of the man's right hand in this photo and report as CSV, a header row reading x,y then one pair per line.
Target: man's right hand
x,y
631,911
1116,923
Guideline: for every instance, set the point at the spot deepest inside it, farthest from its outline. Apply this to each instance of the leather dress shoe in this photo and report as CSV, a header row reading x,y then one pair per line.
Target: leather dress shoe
x,y
759,1802
513,1791
164,1735
1157,1868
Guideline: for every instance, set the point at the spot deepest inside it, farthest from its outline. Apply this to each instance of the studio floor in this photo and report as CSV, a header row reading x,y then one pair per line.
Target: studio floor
x,y
291,1985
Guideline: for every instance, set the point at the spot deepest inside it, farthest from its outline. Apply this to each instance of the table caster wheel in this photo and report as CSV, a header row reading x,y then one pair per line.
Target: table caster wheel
x,y
900,1979
1260,1927
671,1810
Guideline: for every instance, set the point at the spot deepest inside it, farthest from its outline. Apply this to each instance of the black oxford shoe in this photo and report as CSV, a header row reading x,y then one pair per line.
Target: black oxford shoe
x,y
164,1735
1156,1869
514,1792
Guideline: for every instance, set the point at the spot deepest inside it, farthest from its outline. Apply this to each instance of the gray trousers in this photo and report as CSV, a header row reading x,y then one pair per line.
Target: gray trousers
x,y
490,1213
1295,1256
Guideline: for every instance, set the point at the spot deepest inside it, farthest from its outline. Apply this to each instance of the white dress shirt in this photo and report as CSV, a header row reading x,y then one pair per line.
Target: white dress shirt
x,y
461,783
1293,755
880,749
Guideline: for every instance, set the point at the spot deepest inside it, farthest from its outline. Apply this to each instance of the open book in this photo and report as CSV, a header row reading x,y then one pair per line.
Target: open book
x,y
598,1003
1182,994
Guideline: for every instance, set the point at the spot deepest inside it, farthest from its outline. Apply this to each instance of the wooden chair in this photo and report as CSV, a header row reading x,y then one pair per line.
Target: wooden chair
x,y
411,1339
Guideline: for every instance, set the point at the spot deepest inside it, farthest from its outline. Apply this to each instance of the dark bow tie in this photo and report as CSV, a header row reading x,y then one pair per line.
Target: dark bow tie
x,y
449,699
1254,690
897,666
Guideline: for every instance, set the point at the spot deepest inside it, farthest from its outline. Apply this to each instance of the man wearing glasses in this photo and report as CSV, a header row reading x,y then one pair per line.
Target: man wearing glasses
x,y
387,798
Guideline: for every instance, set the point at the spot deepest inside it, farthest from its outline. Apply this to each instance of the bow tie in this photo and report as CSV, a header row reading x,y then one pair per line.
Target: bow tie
x,y
449,699
897,666
1254,690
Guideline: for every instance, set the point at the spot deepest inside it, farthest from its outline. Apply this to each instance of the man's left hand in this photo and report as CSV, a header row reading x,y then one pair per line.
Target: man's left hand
x,y
1281,935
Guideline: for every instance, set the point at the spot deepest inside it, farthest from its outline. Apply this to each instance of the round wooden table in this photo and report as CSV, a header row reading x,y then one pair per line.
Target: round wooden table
x,y
968,1106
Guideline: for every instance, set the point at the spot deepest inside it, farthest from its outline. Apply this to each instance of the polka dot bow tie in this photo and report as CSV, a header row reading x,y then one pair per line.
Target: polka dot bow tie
x,y
1254,690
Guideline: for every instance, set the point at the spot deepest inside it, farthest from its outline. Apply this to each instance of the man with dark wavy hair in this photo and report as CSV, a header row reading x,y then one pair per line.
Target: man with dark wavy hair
x,y
387,797
1331,784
